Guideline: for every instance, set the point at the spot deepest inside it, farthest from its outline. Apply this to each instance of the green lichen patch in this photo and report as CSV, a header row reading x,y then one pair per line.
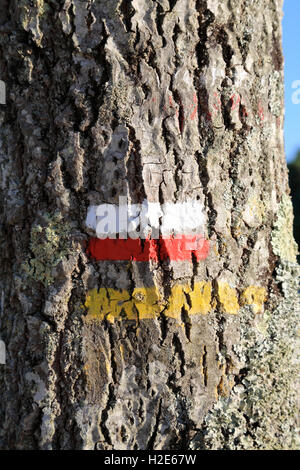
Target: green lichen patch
x,y
50,244
283,241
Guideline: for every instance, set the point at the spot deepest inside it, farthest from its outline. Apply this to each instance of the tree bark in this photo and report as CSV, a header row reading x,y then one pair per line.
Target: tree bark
x,y
166,101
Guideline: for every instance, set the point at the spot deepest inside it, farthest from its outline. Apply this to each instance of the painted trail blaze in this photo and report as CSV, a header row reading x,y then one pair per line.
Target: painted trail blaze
x,y
154,232
147,303
147,231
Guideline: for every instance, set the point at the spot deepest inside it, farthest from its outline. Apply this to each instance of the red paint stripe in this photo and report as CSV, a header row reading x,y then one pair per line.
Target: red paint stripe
x,y
178,249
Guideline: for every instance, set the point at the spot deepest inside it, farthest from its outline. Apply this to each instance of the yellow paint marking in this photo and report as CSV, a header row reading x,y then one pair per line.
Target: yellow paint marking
x,y
96,302
228,298
147,303
254,296
110,304
107,366
200,298
122,351
176,301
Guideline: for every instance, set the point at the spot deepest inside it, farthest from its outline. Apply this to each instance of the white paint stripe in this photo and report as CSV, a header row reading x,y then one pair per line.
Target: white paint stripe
x,y
142,220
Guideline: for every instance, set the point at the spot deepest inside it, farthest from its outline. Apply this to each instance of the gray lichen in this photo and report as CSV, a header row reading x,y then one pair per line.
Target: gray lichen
x,y
50,245
283,242
275,94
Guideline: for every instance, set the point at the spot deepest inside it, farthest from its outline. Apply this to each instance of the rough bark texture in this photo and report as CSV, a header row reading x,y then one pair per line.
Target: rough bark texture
x,y
164,100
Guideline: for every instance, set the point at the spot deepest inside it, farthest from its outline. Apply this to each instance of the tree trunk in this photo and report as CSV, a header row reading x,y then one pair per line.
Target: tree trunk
x,y
179,104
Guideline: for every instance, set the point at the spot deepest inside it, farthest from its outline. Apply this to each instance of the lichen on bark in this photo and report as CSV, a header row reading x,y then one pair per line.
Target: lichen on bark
x,y
283,241
49,243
